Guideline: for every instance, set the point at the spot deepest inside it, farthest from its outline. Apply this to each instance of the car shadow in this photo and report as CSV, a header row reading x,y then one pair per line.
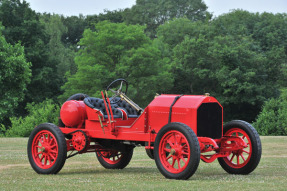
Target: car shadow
x,y
101,170
148,172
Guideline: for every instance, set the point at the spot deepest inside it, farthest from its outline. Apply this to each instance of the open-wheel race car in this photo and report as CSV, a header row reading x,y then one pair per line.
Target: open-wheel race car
x,y
176,130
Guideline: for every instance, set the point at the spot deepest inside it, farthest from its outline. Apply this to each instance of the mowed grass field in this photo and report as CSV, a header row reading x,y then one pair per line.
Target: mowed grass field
x,y
83,172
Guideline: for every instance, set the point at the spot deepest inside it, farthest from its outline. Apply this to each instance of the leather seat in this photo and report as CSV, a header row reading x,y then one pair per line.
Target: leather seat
x,y
96,103
122,104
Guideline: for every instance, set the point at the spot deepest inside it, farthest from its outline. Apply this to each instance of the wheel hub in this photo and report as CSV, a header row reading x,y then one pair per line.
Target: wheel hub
x,y
45,148
80,140
176,150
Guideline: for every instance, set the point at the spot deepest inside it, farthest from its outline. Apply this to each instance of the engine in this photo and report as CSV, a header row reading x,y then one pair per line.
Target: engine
x,y
73,113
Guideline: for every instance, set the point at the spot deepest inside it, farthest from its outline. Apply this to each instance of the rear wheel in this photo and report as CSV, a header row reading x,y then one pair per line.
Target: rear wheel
x,y
47,149
177,151
113,159
149,153
78,97
242,161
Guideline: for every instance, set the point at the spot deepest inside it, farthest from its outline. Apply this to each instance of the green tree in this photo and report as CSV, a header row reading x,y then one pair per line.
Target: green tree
x,y
100,52
22,25
146,72
225,56
231,68
75,27
114,51
173,32
237,22
15,74
193,67
269,31
59,54
154,13
115,16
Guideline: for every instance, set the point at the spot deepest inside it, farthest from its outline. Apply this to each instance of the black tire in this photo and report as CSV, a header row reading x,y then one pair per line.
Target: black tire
x,y
255,156
78,97
55,165
120,164
189,167
149,152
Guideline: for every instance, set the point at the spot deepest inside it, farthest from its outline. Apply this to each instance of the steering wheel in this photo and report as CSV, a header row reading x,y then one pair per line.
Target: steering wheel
x,y
118,82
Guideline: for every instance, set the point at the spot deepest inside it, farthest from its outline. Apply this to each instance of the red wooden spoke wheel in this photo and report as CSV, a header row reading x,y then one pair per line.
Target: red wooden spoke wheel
x,y
177,151
242,161
47,149
113,159
174,151
44,149
241,157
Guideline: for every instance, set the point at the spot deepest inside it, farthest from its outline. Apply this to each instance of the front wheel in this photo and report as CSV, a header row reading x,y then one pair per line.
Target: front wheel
x,y
177,151
242,161
113,159
47,149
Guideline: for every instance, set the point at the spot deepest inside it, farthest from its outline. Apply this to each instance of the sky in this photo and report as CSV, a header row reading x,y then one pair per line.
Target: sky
x,y
91,7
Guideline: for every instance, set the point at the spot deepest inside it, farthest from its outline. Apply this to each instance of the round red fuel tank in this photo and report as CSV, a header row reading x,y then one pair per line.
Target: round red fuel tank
x,y
73,113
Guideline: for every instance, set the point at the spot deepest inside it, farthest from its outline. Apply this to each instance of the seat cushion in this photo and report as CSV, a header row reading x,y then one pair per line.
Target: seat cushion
x,y
131,112
96,103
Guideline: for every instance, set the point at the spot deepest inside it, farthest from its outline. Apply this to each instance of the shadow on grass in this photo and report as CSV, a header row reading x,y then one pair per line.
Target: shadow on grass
x,y
129,170
149,172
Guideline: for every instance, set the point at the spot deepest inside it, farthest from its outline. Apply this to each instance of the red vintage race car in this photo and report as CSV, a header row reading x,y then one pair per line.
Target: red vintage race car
x,y
176,130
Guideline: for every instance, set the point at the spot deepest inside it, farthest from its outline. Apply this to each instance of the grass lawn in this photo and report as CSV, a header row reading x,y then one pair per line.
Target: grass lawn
x,y
83,172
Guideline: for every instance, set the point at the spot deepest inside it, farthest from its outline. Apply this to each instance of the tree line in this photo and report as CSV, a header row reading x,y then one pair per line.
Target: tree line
x,y
159,46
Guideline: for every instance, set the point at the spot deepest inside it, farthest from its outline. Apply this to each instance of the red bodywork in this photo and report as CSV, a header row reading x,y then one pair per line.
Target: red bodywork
x,y
143,128
203,114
